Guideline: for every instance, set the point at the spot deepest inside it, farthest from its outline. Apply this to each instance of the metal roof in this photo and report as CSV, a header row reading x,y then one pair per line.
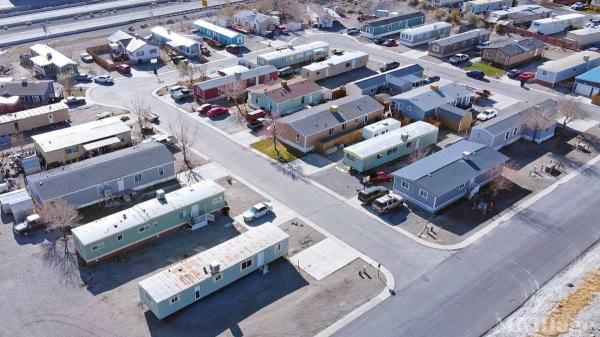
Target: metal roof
x,y
560,18
428,99
372,146
446,169
319,118
67,179
57,58
119,35
335,60
591,76
42,110
426,28
145,212
295,50
221,81
393,18
135,44
14,197
450,40
382,78
585,31
217,29
191,271
80,134
570,61
246,13
174,38
382,124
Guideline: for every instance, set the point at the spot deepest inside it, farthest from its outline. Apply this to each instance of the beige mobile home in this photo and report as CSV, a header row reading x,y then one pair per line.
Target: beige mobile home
x,y
33,118
335,65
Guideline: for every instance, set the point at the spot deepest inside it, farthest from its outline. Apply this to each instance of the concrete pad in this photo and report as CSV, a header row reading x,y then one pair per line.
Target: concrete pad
x,y
502,102
324,258
281,214
414,54
312,164
246,138
208,171
580,125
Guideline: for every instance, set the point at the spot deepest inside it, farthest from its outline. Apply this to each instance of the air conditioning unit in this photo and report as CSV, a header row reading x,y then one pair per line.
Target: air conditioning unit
x,y
215,267
160,195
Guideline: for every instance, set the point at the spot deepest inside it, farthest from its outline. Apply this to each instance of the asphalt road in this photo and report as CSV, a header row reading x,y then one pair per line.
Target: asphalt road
x,y
439,293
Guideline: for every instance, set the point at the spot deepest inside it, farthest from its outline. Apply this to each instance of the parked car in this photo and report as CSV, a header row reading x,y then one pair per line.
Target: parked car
x,y
178,58
232,48
103,115
371,193
28,225
526,76
377,41
204,108
487,114
578,6
83,77
123,68
283,29
103,79
389,43
151,117
459,58
215,43
286,71
352,31
259,210
476,74
482,45
269,34
74,99
205,51
336,51
217,111
182,93
431,79
86,57
256,125
387,203
389,66
513,73
254,115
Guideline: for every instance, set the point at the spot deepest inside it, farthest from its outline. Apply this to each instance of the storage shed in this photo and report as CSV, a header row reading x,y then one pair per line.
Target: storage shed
x,y
392,145
112,234
588,83
221,34
18,203
196,277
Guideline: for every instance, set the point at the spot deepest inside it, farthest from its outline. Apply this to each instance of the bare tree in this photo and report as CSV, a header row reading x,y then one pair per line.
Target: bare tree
x,y
59,215
538,118
139,109
187,71
67,81
420,153
271,131
185,135
497,185
236,92
570,109
17,141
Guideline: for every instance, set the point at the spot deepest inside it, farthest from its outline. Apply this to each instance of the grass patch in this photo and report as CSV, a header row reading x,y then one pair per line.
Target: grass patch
x,y
287,154
486,68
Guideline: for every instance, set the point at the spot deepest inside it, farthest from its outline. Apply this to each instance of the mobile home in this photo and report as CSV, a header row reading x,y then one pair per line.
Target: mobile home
x,y
374,152
585,36
380,128
389,25
221,34
458,43
194,205
192,279
485,6
33,118
295,55
184,45
557,24
553,72
421,35
335,65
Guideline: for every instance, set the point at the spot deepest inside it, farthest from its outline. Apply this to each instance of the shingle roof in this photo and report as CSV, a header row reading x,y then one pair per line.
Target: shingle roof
x,y
445,170
391,19
32,88
383,77
450,40
428,99
280,92
90,172
516,47
319,118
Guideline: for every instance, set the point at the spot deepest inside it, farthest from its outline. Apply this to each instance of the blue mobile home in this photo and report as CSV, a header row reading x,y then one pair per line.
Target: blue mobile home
x,y
459,170
192,279
194,205
221,34
393,82
389,25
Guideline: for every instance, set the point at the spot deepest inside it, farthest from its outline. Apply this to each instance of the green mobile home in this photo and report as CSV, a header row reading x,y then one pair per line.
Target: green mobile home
x,y
194,278
194,205
394,144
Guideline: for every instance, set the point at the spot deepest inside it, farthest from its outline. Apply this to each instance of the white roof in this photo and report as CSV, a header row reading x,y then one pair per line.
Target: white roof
x,y
233,70
382,124
559,18
42,110
145,212
80,134
335,60
135,44
174,38
375,145
584,31
296,50
190,272
481,2
10,100
14,197
119,35
57,59
426,28
569,61
217,29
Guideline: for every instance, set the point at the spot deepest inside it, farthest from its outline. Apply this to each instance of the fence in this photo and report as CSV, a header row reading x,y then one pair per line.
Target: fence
x,y
563,43
104,63
322,146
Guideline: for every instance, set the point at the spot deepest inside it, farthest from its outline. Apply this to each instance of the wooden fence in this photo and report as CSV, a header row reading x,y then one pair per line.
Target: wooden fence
x,y
104,63
563,43
322,146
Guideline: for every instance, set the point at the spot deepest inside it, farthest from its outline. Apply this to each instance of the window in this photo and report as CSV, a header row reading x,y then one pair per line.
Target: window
x,y
196,294
120,237
394,149
278,247
331,131
97,246
182,214
217,277
408,107
217,200
461,186
379,156
153,51
506,135
137,178
389,152
161,171
408,144
423,194
174,299
246,264
366,119
297,138
343,126
144,228
404,184
544,72
71,150
350,157
348,65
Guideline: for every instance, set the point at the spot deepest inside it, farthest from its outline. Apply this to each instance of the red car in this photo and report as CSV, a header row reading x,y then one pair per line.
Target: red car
x,y
217,111
123,69
526,76
204,108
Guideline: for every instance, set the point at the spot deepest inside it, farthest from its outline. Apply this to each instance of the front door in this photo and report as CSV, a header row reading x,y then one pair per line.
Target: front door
x,y
260,259
120,184
195,211
50,118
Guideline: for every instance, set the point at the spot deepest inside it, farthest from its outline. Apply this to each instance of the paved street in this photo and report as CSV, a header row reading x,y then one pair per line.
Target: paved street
x,y
438,293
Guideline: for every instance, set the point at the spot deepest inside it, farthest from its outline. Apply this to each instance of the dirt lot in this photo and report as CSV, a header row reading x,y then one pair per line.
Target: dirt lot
x,y
302,236
239,196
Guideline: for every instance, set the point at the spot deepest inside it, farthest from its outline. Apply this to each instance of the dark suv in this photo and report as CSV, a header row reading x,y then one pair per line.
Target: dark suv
x,y
388,66
371,193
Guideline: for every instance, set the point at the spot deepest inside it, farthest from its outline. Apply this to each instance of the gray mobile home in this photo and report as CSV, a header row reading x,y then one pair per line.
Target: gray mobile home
x,y
104,177
194,205
393,81
458,43
457,171
192,279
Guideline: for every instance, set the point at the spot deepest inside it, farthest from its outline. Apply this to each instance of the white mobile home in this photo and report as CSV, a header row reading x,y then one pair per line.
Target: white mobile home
x,y
295,55
194,278
381,127
553,72
421,35
585,36
485,6
557,24
335,65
